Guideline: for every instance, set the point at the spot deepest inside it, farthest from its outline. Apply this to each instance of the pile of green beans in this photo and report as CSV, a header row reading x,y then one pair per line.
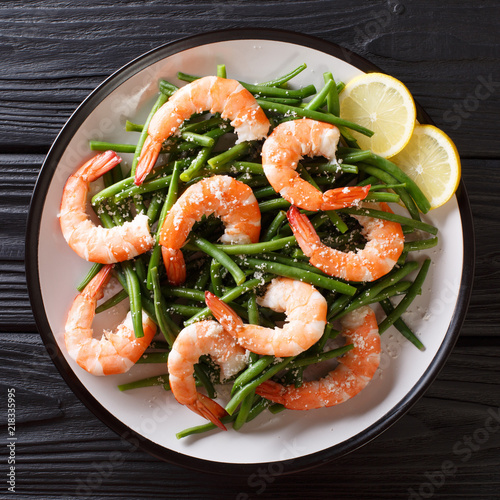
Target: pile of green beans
x,y
239,273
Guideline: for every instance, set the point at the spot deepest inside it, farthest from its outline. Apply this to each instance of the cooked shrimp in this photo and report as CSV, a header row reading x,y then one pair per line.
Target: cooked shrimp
x,y
384,245
96,243
116,351
304,306
283,149
355,370
227,198
211,93
204,337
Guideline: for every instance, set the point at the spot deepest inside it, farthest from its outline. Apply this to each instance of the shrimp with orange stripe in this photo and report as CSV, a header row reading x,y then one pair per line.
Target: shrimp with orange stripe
x,y
229,199
385,243
116,352
96,243
281,153
355,370
304,306
203,338
217,95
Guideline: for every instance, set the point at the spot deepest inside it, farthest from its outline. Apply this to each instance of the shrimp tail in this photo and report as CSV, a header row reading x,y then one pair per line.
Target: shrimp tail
x,y
94,289
224,314
149,155
210,410
344,197
174,265
304,231
272,391
99,165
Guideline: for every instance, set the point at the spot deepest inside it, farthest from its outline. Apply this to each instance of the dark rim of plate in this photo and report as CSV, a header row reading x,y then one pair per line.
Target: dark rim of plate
x,y
32,275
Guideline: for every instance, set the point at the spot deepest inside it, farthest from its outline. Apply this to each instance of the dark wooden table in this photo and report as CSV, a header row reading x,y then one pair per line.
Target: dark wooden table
x,y
53,53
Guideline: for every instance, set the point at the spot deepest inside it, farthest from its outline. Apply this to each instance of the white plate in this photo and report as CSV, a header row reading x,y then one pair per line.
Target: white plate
x,y
151,416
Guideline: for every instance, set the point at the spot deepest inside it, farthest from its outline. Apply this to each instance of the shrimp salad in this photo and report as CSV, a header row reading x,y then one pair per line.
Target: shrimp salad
x,y
248,232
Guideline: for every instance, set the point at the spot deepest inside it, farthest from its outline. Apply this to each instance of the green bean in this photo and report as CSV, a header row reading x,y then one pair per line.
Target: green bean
x,y
184,310
112,301
290,261
277,82
145,187
332,100
118,148
375,288
320,357
413,246
376,187
184,293
389,179
88,277
412,292
318,100
199,429
314,115
171,198
200,140
221,71
197,164
258,248
276,204
204,379
273,228
134,294
146,382
244,411
254,181
133,127
203,277
162,99
222,257
253,371
291,101
251,386
155,206
380,196
264,192
390,167
246,167
167,88
403,328
231,295
299,274
380,214
216,278
159,344
397,289
163,321
253,310
205,125
107,192
349,139
231,154
338,305
153,358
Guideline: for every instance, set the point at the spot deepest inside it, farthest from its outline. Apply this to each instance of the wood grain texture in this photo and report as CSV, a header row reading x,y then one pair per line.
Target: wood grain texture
x,y
424,45
54,52
66,451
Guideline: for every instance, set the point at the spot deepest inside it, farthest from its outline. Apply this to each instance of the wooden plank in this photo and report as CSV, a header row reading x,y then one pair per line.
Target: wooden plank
x,y
94,40
66,451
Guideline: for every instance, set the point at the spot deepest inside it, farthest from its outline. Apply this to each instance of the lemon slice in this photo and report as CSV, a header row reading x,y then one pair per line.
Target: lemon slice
x,y
431,159
383,104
